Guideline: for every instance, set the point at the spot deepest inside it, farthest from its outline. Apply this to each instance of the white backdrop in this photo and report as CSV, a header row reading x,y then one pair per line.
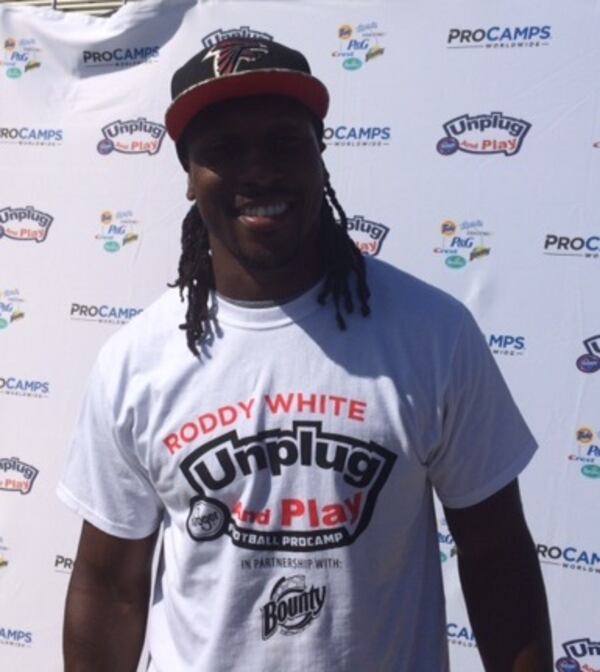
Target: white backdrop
x,y
463,140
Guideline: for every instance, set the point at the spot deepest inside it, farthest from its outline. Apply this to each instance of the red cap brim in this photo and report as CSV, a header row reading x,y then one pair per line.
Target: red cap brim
x,y
300,86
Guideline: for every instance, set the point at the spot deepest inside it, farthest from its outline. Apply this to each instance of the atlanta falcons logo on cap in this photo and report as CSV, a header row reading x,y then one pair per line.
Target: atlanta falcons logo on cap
x,y
229,54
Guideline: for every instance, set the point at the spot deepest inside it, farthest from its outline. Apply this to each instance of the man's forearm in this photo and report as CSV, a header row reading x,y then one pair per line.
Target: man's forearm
x,y
104,630
507,606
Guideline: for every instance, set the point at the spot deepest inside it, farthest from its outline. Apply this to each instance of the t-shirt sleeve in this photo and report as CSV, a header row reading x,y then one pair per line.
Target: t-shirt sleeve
x,y
485,442
103,480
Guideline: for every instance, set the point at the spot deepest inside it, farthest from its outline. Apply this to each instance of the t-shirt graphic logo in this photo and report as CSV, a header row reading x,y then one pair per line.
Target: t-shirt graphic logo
x,y
292,607
298,490
230,54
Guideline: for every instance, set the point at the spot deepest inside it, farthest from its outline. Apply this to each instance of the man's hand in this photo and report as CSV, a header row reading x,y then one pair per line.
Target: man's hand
x,y
107,602
502,583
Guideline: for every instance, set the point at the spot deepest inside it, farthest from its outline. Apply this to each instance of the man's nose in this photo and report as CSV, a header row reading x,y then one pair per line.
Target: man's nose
x,y
259,167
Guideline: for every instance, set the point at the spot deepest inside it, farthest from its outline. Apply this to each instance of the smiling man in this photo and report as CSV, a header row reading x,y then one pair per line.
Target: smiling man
x,y
289,446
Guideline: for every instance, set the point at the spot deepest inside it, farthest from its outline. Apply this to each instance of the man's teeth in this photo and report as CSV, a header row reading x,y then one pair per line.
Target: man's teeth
x,y
265,210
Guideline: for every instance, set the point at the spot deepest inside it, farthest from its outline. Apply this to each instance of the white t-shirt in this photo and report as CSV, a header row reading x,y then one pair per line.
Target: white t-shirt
x,y
292,468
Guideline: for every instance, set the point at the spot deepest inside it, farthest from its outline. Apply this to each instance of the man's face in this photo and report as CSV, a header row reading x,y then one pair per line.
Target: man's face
x,y
257,177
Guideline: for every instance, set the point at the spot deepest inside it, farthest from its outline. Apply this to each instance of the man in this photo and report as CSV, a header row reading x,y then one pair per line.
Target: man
x,y
290,448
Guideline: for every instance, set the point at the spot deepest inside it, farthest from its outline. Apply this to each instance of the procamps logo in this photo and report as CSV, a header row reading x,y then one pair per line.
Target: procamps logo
x,y
242,33
292,606
63,564
367,235
15,637
24,224
499,37
16,476
20,56
493,133
590,361
357,136
572,246
104,314
359,45
133,136
570,557
463,243
461,635
26,135
581,655
121,57
11,310
117,230
507,344
587,455
21,387
347,475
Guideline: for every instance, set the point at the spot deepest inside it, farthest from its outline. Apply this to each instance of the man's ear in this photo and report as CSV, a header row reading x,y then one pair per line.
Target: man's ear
x,y
190,194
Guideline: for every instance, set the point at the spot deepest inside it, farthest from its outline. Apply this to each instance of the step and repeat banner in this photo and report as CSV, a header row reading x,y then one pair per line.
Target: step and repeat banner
x,y
463,142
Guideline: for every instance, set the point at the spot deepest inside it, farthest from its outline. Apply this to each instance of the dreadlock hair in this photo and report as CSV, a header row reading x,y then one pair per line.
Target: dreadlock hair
x,y
341,259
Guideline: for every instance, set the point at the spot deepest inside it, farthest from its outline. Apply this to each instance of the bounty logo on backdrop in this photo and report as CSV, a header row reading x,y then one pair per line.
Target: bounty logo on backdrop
x,y
16,476
359,44
367,235
572,246
104,314
463,243
24,224
133,136
494,133
11,309
121,57
581,655
590,361
19,57
347,475
26,135
587,456
117,230
292,606
357,136
499,37
243,33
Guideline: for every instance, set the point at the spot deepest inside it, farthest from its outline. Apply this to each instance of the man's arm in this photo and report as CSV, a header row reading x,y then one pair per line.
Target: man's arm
x,y
502,583
107,602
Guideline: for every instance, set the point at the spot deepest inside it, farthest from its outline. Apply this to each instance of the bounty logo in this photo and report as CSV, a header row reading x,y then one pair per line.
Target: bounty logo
x,y
117,230
346,475
24,224
292,606
581,655
567,246
134,136
462,244
15,637
121,57
590,361
499,37
242,33
507,344
16,476
587,455
494,133
357,136
367,235
569,557
25,135
359,45
21,387
104,314
461,635
11,310
19,57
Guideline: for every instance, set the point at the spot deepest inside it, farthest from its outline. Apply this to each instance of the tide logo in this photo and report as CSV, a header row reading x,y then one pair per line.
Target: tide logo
x,y
133,136
493,133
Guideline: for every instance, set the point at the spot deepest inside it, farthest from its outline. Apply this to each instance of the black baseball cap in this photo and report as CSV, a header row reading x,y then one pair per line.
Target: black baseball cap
x,y
237,68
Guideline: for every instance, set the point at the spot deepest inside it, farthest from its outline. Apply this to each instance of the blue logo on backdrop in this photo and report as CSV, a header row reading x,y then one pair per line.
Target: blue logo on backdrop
x,y
22,387
104,314
493,133
570,557
25,135
15,637
499,37
357,136
507,344
461,635
590,361
582,655
120,57
566,246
